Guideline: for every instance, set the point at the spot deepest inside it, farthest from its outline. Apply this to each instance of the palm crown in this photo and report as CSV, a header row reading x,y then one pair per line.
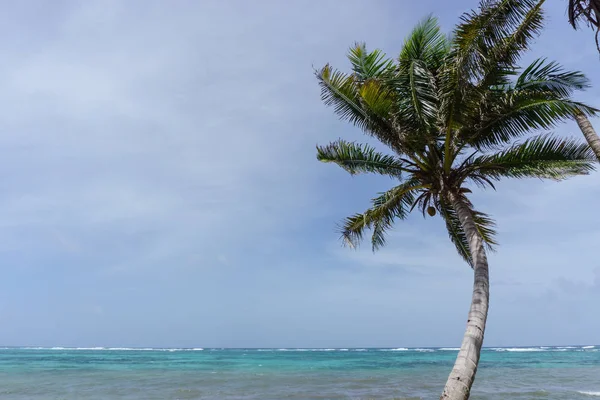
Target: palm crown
x,y
451,109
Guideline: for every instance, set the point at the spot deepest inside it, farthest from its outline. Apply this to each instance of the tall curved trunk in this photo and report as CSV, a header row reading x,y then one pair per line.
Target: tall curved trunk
x,y
458,386
588,131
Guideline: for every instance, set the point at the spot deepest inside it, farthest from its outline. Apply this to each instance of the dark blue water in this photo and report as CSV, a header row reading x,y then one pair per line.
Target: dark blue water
x,y
504,373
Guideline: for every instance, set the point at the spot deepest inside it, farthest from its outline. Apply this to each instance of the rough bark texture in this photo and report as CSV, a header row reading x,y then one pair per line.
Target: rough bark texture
x,y
588,131
458,386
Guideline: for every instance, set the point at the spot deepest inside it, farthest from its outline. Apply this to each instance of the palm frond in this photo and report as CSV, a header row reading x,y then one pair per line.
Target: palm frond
x,y
339,90
425,43
513,114
485,226
368,65
588,12
484,29
484,43
360,158
377,98
344,94
544,157
551,78
509,51
418,98
388,206
422,55
499,67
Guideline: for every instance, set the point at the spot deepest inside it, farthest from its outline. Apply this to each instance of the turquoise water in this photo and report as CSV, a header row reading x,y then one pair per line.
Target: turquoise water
x,y
571,372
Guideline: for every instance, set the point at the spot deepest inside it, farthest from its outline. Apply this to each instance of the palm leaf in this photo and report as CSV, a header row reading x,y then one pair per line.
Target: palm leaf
x,y
587,11
551,78
368,65
425,43
543,157
499,67
509,51
340,91
343,93
480,42
377,98
510,115
485,226
486,29
360,158
388,206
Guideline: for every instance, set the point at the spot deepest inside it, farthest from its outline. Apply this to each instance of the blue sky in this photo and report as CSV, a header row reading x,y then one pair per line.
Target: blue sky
x,y
159,187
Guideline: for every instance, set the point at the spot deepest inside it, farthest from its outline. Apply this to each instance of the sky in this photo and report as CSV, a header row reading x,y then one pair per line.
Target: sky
x,y
159,187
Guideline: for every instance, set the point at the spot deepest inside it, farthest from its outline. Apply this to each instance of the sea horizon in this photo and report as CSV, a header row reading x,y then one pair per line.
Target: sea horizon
x,y
325,348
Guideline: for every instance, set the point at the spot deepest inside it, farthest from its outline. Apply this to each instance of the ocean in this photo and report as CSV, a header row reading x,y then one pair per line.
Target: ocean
x,y
566,372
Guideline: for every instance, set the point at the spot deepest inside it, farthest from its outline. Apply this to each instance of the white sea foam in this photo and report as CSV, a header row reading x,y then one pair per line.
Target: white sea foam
x,y
425,350
517,349
302,350
397,349
172,350
313,349
450,349
109,348
541,348
588,347
360,350
132,349
523,349
88,348
597,394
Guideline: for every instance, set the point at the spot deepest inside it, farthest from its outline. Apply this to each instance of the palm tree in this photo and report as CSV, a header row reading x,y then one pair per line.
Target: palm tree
x,y
588,12
588,132
450,111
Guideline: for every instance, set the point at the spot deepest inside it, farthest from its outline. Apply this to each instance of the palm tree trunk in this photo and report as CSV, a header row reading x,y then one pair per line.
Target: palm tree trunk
x,y
588,131
458,386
